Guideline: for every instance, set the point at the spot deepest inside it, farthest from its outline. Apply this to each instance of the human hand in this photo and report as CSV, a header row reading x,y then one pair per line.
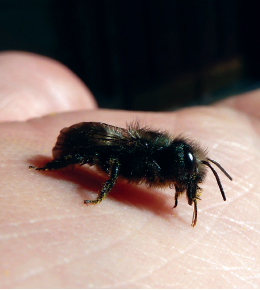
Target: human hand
x,y
133,239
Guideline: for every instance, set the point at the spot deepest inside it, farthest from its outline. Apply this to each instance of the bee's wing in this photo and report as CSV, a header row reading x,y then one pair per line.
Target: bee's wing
x,y
90,135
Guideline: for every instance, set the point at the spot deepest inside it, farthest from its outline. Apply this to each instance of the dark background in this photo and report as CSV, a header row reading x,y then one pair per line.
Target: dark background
x,y
143,55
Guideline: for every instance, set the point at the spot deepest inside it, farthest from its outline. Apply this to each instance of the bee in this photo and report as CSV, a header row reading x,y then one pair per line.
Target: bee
x,y
137,154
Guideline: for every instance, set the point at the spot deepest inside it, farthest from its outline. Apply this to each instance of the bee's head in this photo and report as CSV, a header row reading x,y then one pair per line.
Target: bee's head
x,y
197,170
185,163
194,163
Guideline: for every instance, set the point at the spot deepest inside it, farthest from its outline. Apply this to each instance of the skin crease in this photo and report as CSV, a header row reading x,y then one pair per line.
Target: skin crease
x,y
133,239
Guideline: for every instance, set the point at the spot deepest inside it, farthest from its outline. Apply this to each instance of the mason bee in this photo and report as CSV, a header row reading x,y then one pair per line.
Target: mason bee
x,y
139,155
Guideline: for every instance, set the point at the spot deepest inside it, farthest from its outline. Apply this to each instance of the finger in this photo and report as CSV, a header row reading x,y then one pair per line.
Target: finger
x,y
248,103
32,85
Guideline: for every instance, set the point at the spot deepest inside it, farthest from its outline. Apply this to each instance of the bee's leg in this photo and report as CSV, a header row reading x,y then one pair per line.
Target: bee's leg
x,y
176,200
57,163
108,185
177,194
195,213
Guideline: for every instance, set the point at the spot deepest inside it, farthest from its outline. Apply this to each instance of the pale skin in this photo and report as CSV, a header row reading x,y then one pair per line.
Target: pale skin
x,y
132,239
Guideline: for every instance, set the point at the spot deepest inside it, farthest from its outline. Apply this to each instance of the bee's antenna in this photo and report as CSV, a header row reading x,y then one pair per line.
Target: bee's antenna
x,y
221,168
216,175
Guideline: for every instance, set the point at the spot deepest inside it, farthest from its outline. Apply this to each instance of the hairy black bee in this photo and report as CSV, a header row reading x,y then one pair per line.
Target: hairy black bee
x,y
139,155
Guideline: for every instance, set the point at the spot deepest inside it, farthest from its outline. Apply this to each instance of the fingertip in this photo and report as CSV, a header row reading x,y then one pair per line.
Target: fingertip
x,y
32,85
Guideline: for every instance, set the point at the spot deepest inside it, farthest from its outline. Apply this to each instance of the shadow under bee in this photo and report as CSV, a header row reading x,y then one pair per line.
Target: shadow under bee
x,y
89,181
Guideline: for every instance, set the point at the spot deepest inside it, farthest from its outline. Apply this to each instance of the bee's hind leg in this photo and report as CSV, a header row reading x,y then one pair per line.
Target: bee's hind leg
x,y
108,185
57,163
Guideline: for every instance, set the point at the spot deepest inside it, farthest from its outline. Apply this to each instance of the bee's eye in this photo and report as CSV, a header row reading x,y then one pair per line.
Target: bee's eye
x,y
190,162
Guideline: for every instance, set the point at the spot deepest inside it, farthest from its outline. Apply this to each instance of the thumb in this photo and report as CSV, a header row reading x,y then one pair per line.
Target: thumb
x,y
32,85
